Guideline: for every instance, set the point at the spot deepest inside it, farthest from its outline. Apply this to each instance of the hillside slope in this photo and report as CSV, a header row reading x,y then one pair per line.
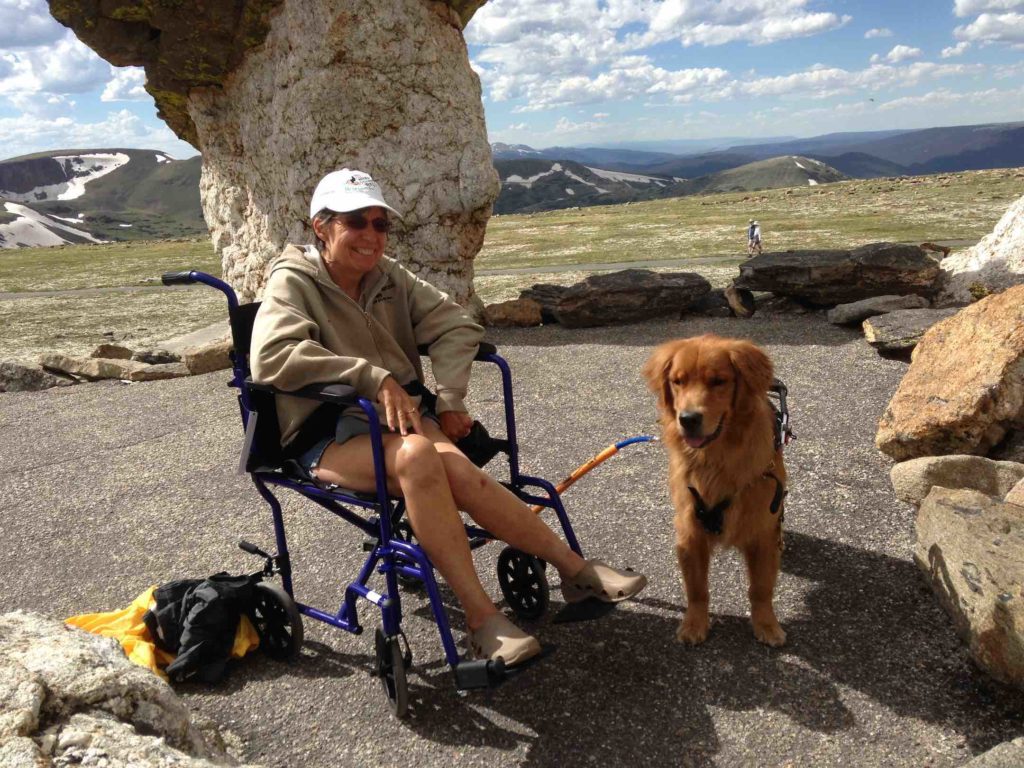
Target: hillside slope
x,y
789,171
95,195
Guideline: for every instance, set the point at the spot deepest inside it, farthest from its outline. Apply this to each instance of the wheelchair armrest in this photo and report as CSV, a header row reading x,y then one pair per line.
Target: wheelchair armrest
x,y
485,349
339,394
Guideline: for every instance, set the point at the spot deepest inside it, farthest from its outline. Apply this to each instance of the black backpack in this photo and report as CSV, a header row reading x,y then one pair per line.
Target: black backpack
x,y
197,619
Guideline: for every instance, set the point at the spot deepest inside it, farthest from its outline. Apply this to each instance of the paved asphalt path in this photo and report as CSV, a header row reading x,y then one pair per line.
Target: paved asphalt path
x,y
108,488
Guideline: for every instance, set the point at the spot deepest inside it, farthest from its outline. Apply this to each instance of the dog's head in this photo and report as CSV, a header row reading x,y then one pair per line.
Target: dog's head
x,y
704,382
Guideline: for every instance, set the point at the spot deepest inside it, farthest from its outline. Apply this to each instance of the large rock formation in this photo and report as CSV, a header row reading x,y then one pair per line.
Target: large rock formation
x,y
275,93
837,277
71,698
970,547
625,296
965,387
994,264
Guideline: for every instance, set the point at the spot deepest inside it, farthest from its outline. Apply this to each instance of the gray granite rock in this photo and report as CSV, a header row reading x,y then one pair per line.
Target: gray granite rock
x,y
858,311
899,331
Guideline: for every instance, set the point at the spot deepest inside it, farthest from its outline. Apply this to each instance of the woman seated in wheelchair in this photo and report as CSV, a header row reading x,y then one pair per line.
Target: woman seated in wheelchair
x,y
342,311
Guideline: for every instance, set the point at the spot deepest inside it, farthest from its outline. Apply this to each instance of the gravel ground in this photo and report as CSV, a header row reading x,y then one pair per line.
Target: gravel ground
x,y
108,488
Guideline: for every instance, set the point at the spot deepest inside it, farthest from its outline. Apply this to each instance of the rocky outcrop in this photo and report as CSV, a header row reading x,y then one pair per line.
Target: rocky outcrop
x,y
912,480
970,547
95,368
825,278
899,332
993,265
71,698
965,386
548,296
275,94
517,313
15,377
1009,754
858,311
627,296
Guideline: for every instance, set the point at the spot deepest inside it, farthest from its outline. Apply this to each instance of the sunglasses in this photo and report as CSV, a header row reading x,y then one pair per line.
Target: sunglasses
x,y
359,221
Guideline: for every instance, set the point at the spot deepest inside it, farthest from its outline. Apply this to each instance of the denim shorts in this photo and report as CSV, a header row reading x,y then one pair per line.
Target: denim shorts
x,y
347,427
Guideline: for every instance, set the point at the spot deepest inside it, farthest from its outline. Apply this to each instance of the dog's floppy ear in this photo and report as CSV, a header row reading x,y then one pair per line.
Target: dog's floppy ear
x,y
753,367
655,371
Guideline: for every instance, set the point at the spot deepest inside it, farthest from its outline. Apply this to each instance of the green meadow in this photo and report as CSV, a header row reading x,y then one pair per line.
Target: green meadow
x,y
706,231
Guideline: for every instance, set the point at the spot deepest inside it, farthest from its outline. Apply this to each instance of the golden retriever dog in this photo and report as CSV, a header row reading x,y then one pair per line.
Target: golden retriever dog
x,y
726,474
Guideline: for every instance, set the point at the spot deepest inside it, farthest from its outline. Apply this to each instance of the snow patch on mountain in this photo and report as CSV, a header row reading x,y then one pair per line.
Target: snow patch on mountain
x,y
81,169
620,176
32,229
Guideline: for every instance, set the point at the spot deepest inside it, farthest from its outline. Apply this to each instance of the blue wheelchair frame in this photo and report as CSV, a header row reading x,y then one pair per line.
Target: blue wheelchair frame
x,y
391,553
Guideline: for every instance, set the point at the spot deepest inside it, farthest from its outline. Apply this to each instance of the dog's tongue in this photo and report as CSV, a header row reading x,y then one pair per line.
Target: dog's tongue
x,y
695,442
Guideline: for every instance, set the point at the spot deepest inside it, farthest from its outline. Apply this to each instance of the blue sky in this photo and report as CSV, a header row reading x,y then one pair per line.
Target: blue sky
x,y
597,72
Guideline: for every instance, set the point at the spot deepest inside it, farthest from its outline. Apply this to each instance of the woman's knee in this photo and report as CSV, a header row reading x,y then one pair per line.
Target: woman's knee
x,y
417,460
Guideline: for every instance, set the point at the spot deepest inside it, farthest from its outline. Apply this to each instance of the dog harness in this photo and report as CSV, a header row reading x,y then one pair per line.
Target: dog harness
x,y
713,517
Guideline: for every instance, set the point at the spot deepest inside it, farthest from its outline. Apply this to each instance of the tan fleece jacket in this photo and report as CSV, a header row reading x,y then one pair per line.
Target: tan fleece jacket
x,y
309,331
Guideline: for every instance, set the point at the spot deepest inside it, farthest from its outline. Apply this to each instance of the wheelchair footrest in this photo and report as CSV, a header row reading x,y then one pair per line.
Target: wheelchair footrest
x,y
477,674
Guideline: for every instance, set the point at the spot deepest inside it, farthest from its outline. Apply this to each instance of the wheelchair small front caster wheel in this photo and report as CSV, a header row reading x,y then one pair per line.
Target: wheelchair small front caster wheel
x,y
390,669
278,622
523,582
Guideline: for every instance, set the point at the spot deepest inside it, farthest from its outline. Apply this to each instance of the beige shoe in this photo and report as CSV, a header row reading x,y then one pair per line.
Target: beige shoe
x,y
499,637
607,584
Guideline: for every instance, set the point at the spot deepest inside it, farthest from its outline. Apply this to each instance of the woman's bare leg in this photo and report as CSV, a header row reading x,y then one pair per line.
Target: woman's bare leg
x,y
497,509
415,469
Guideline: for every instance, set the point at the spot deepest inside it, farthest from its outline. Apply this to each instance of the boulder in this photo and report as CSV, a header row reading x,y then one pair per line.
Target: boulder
x,y
993,265
1009,754
156,356
740,301
274,95
628,295
899,332
913,479
858,311
713,304
1016,494
214,356
965,386
517,313
95,368
15,377
547,295
71,698
825,278
970,547
111,351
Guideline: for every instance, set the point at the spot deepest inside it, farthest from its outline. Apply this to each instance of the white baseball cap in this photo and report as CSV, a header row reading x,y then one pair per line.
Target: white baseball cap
x,y
347,190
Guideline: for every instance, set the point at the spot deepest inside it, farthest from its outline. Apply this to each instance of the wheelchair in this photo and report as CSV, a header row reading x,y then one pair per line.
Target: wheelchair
x,y
392,551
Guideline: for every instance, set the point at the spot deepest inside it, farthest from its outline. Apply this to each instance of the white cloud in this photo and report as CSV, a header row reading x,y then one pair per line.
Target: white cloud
x,y
63,68
126,84
878,32
994,28
955,50
564,125
901,53
585,51
971,7
25,134
26,24
600,115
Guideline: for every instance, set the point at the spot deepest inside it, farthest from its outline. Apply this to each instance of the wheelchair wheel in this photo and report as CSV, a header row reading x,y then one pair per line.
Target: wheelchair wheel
x,y
278,622
391,671
523,582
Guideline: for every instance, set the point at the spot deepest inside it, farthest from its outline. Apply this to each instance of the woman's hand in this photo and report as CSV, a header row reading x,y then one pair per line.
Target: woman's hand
x,y
455,424
400,409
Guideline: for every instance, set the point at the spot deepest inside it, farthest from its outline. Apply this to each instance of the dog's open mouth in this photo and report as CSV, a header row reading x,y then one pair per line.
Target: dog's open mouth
x,y
695,441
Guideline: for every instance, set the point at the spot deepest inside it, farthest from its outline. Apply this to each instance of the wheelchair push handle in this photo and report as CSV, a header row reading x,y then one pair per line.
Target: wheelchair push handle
x,y
177,278
190,276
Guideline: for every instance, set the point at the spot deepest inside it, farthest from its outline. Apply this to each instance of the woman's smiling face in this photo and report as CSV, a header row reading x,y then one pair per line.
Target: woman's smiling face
x,y
354,242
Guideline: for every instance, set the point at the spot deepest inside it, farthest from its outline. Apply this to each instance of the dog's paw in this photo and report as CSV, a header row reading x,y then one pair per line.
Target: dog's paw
x,y
770,634
692,631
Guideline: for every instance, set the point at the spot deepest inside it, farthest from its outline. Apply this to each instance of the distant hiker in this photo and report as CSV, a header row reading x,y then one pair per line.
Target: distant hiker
x,y
753,238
